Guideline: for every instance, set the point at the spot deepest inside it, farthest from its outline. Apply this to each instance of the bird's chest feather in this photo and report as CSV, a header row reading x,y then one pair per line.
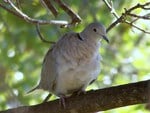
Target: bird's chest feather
x,y
74,75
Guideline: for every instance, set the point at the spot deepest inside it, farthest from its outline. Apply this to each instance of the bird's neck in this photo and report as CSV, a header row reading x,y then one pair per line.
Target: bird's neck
x,y
90,44
89,38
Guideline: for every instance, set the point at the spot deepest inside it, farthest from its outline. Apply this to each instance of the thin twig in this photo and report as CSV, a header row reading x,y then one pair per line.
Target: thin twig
x,y
112,25
23,16
111,8
138,16
133,25
40,35
142,6
122,18
11,11
18,4
75,17
146,15
48,5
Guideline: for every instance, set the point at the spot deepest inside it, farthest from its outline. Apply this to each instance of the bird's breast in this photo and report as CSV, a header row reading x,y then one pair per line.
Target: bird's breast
x,y
75,74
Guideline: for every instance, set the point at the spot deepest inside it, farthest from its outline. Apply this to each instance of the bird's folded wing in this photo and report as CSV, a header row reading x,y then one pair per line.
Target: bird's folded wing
x,y
49,72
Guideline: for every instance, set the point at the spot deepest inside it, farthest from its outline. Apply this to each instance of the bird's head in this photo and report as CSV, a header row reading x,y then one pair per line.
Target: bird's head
x,y
96,30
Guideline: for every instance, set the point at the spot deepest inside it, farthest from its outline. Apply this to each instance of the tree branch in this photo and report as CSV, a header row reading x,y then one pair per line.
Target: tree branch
x,y
123,17
93,101
148,105
11,11
133,25
28,19
111,8
139,16
40,35
18,3
75,18
48,4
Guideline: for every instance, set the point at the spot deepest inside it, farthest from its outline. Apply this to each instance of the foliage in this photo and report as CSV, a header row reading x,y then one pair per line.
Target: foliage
x,y
125,59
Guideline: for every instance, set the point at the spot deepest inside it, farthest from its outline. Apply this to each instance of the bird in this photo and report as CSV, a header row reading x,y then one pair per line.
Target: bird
x,y
73,62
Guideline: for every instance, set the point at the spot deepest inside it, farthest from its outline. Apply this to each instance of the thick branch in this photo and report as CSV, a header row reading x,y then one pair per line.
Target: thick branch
x,y
148,105
93,101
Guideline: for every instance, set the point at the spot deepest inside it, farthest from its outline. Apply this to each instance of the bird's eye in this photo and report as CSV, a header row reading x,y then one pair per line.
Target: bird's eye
x,y
94,30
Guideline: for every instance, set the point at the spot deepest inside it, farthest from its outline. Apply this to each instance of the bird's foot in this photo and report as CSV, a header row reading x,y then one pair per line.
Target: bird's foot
x,y
79,92
62,102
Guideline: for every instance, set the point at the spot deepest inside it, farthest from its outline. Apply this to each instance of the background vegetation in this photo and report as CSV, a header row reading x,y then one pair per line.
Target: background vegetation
x,y
125,59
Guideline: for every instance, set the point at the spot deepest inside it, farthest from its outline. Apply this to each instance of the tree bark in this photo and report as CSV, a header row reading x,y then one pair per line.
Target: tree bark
x,y
93,101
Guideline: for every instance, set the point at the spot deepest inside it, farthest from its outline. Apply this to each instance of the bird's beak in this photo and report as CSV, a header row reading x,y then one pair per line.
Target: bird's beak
x,y
105,38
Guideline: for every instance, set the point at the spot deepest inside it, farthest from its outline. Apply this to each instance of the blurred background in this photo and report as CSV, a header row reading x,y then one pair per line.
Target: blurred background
x,y
125,58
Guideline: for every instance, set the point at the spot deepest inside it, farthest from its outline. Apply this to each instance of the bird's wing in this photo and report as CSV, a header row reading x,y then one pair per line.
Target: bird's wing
x,y
49,72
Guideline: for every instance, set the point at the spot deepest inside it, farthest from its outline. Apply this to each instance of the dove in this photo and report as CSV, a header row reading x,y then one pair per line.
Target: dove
x,y
73,62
